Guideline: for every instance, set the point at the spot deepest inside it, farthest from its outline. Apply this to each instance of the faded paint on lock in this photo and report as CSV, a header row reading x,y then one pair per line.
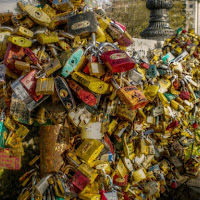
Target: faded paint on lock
x,y
70,63
94,84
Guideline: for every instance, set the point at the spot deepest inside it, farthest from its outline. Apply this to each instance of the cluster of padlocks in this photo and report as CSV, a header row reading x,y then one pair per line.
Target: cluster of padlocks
x,y
111,126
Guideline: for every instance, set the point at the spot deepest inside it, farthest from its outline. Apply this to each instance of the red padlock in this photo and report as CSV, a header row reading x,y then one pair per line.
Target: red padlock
x,y
144,65
33,58
117,180
185,95
176,84
195,125
85,96
13,53
86,69
79,181
29,83
174,124
173,183
117,61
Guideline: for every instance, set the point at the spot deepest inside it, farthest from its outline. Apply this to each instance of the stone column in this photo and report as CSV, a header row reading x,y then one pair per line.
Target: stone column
x,y
159,27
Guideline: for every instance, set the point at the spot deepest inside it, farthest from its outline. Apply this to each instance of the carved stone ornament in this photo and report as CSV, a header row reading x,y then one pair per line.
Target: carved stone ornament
x,y
159,27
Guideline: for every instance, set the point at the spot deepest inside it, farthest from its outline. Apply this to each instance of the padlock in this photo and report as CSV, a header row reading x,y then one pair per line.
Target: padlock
x,y
117,61
32,57
22,31
151,90
79,181
3,135
135,77
121,128
9,162
13,53
88,171
22,66
19,111
65,46
112,107
51,67
65,5
91,131
125,112
46,38
29,83
3,41
80,117
128,149
89,150
21,132
20,41
49,10
93,84
82,24
36,14
44,86
64,93
20,91
5,17
152,71
131,96
42,185
2,73
84,95
96,68
72,61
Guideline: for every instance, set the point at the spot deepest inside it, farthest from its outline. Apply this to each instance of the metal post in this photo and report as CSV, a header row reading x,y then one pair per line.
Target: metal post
x,y
159,27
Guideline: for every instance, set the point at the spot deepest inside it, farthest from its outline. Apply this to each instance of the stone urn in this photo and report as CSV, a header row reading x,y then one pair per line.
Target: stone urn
x,y
159,27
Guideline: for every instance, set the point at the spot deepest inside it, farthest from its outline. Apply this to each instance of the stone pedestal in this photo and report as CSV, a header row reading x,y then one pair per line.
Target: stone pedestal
x,y
159,27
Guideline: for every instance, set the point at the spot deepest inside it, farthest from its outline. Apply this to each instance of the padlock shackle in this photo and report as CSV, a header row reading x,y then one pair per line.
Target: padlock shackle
x,y
65,34
117,26
7,28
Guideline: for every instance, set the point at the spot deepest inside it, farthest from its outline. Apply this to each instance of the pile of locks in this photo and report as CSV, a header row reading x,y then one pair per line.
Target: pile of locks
x,y
127,128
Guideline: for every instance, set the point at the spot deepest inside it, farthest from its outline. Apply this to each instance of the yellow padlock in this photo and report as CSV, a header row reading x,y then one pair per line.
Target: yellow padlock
x,y
94,84
20,41
43,38
163,99
65,46
22,31
151,90
49,11
36,14
100,35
